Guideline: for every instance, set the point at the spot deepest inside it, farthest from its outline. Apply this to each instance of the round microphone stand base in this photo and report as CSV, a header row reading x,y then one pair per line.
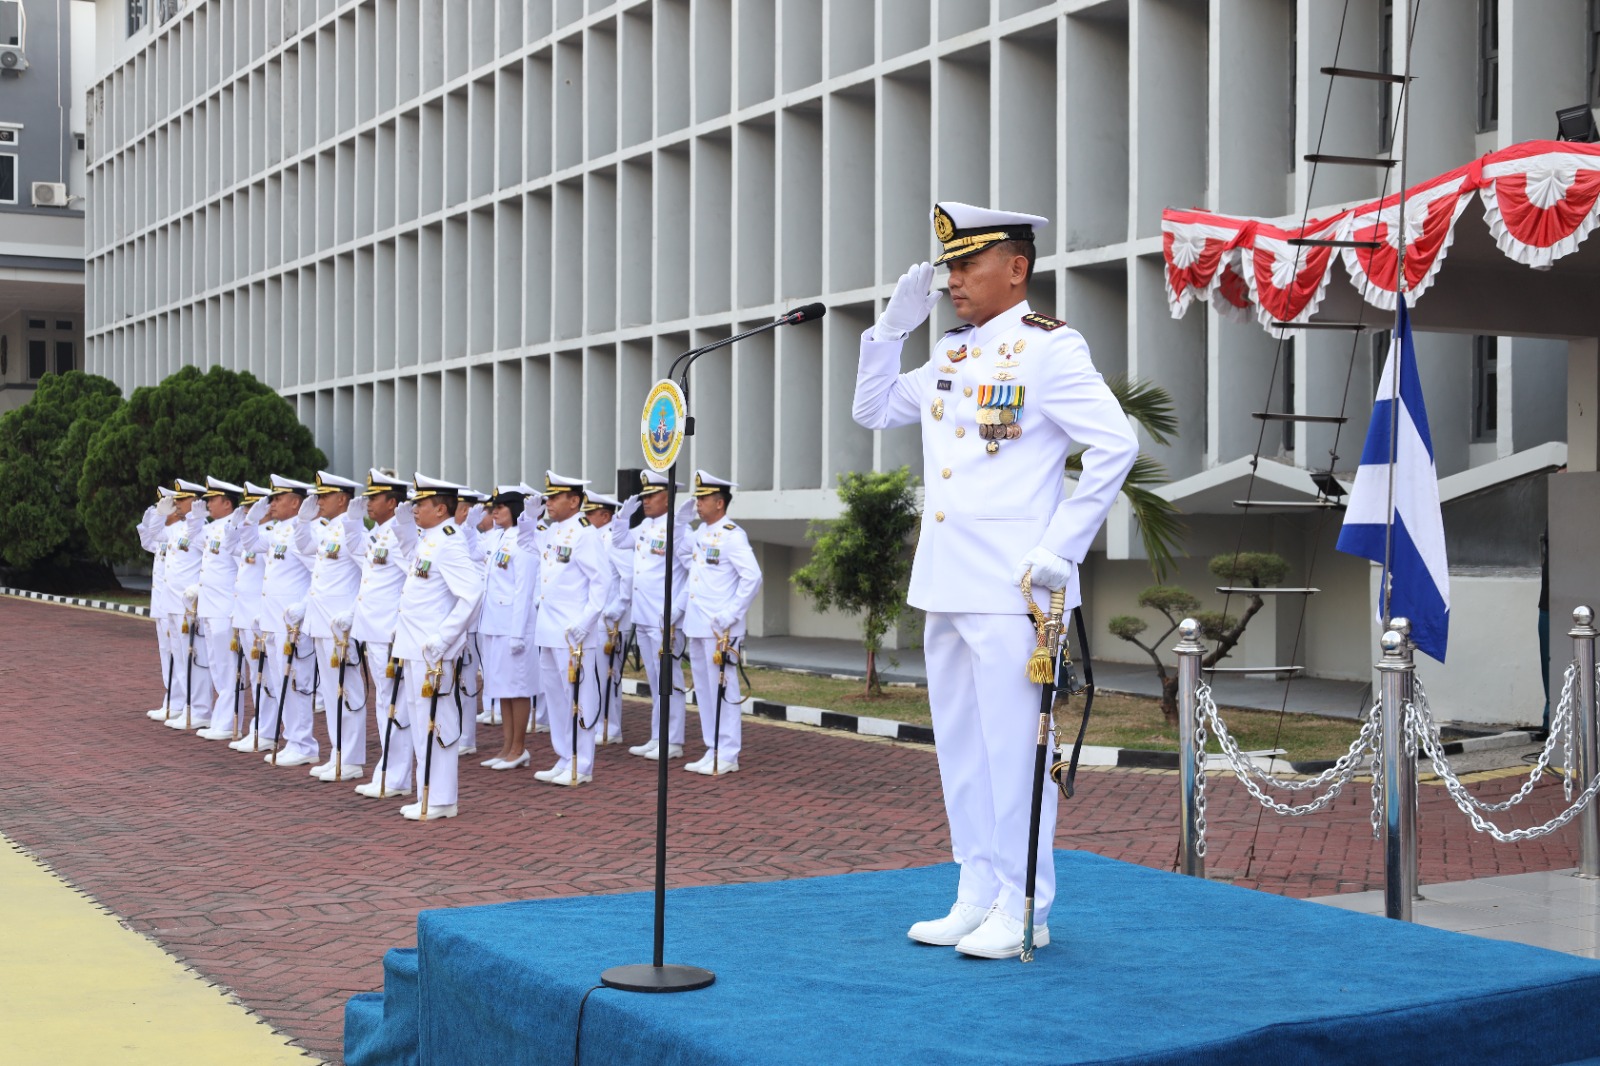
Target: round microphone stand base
x,y
643,977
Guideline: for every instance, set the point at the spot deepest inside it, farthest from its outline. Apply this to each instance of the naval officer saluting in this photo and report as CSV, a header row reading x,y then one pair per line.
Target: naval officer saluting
x,y
1002,400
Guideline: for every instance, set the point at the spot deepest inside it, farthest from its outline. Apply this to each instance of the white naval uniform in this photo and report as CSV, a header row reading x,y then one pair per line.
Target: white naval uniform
x,y
511,576
191,686
334,549
153,538
646,582
441,593
575,584
247,614
284,581
723,579
983,513
219,566
391,546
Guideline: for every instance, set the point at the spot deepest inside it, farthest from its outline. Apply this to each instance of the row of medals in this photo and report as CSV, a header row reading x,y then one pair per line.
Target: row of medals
x,y
995,424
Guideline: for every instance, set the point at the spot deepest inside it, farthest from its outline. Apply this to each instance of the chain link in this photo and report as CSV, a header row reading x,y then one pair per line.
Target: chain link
x,y
1252,776
1200,778
1419,722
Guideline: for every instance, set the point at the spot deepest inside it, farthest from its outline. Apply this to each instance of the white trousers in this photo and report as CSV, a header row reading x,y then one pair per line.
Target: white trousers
x,y
164,649
650,654
729,730
226,671
555,697
296,708
394,741
191,681
608,690
471,691
439,770
985,728
354,752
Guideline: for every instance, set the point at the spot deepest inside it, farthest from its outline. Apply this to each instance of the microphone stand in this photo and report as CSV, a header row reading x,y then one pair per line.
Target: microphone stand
x,y
657,976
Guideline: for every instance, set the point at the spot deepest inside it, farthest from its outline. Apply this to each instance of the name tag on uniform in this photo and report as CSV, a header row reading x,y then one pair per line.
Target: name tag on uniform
x,y
945,384
563,553
379,556
423,569
713,556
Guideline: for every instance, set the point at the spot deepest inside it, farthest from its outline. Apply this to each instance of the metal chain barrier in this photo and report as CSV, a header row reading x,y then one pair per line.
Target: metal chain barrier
x,y
1420,724
1336,777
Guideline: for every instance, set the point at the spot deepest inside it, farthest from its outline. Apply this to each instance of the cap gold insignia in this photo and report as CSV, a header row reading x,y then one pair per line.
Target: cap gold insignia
x,y
938,410
944,226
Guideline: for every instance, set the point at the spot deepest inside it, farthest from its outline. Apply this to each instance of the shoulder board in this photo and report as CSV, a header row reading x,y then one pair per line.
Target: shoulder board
x,y
729,525
959,329
541,527
1044,322
449,531
585,523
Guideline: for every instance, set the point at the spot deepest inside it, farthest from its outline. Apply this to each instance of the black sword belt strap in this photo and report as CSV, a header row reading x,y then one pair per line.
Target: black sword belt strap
x,y
361,650
744,678
1065,772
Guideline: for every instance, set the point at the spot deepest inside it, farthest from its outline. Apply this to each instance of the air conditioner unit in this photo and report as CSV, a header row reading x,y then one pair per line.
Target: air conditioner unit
x,y
12,58
49,194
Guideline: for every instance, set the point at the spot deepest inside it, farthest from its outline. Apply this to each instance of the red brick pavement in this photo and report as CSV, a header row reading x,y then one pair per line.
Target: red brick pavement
x,y
288,891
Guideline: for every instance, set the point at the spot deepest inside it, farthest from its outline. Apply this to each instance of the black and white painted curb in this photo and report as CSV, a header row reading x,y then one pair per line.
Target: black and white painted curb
x,y
817,716
77,601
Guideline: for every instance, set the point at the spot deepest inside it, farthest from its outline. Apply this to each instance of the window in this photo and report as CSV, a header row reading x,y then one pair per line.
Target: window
x,y
1488,65
38,352
8,135
136,16
64,354
1386,66
8,179
1485,389
1294,79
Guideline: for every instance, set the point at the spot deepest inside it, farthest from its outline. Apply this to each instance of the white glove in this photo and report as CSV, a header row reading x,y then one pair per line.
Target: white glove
x,y
357,509
474,516
910,305
433,649
1049,569
309,507
191,595
686,511
620,533
258,511
724,621
575,637
678,610
165,506
406,508
197,506
612,614
295,614
341,623
517,645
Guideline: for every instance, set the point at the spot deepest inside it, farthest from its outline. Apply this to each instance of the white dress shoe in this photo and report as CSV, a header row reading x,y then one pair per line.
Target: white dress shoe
x,y
413,811
346,772
948,931
485,718
242,744
216,732
694,767
490,763
674,751
322,772
159,714
707,767
565,780
545,775
1000,937
370,790
512,764
286,759
466,751
176,721
540,728
647,749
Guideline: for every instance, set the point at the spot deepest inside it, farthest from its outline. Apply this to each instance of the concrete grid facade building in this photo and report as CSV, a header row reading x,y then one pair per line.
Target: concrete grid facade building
x,y
505,217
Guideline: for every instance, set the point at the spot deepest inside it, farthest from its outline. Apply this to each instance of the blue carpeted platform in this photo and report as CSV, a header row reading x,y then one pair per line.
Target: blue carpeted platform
x,y
1145,967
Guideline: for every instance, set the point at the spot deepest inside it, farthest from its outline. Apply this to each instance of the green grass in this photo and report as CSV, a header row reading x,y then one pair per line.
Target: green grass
x,y
139,597
1118,721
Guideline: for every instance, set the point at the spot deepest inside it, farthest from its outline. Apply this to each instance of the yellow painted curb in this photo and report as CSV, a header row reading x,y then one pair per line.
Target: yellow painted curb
x,y
81,988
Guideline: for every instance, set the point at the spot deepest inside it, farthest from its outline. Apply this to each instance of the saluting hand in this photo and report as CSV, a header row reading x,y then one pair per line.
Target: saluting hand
x,y
308,507
911,303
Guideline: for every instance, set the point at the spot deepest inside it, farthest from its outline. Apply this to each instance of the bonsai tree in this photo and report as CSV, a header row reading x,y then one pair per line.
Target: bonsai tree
x,y
861,562
1238,569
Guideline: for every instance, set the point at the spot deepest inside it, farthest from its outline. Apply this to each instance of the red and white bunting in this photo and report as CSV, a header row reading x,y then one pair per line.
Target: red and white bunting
x,y
1431,213
1541,200
1541,205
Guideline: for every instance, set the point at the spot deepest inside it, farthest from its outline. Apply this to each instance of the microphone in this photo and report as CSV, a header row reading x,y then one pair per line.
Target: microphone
x,y
808,313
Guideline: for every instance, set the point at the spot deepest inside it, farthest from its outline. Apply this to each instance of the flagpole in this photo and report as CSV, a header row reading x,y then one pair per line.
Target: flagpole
x,y
1402,139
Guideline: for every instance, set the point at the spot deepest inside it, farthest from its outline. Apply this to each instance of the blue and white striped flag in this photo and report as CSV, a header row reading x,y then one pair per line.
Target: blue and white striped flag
x,y
1397,464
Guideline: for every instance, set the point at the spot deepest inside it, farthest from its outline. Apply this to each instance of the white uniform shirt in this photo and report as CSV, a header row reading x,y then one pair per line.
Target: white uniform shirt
x,y
983,512
153,535
723,576
287,575
442,590
391,546
334,549
247,579
511,575
184,549
219,566
646,576
575,581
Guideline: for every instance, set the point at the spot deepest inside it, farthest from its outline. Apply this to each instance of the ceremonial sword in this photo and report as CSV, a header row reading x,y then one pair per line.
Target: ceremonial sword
x,y
1041,671
396,668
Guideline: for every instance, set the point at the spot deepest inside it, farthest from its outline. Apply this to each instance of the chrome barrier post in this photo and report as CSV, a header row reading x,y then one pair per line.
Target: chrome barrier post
x,y
1583,634
1399,775
1189,650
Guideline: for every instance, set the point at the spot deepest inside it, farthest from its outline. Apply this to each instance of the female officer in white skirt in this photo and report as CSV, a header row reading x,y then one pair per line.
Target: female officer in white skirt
x,y
505,631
